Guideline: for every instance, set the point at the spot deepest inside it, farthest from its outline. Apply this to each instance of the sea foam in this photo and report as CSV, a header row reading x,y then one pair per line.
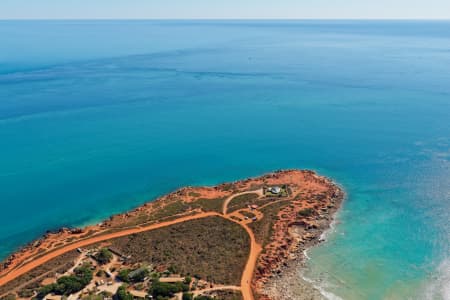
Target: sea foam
x,y
439,288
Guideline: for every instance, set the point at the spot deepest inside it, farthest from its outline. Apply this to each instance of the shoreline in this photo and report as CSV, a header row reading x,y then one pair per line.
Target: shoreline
x,y
290,232
290,278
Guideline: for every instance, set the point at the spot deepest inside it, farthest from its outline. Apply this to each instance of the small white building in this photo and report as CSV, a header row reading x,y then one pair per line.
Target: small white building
x,y
274,190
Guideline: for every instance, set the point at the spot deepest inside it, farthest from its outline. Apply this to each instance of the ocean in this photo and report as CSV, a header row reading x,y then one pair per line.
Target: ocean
x,y
98,117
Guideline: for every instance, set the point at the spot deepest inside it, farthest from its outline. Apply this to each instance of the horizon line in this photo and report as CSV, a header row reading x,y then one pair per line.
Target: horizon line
x,y
224,19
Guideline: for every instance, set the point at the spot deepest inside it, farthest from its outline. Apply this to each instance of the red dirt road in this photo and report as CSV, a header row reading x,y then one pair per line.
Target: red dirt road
x,y
43,259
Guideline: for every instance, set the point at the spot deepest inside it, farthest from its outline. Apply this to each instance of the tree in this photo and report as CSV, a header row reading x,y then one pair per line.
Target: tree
x,y
45,290
104,256
188,296
306,212
203,298
9,297
84,274
187,280
67,285
164,289
172,269
123,275
123,294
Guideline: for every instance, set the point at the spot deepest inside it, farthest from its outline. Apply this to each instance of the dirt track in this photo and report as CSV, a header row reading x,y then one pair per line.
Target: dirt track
x,y
43,259
247,274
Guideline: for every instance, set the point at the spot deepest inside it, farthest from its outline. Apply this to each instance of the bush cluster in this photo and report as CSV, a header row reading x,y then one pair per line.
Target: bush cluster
x,y
134,276
306,212
104,256
123,294
67,285
163,290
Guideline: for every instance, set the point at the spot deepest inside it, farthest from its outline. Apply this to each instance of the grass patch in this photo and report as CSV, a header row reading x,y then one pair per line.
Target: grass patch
x,y
211,248
194,194
169,210
172,209
263,228
161,213
32,278
225,295
242,201
209,204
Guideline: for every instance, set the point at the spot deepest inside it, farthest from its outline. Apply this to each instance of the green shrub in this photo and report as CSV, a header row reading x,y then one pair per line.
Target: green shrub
x,y
306,212
9,297
123,294
203,298
165,289
187,280
123,275
45,290
67,285
104,256
172,269
188,296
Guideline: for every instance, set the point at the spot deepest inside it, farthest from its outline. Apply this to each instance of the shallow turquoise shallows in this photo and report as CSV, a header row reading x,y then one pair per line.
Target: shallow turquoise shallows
x,y
97,117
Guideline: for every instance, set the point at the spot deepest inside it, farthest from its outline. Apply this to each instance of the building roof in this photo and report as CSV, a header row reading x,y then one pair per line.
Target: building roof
x,y
275,189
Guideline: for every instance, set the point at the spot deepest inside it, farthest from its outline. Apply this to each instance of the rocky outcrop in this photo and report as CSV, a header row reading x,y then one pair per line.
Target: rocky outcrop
x,y
293,233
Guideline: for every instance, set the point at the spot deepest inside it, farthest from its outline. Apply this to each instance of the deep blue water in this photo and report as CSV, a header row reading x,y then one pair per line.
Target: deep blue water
x,y
96,117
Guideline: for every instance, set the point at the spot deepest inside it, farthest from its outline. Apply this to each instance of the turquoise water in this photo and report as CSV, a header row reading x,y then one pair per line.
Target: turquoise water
x,y
98,117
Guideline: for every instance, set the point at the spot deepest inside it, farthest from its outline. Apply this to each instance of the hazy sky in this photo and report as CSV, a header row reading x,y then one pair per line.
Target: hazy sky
x,y
236,9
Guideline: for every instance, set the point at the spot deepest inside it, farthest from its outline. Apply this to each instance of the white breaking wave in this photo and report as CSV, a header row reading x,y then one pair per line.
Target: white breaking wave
x,y
326,233
321,287
305,253
439,288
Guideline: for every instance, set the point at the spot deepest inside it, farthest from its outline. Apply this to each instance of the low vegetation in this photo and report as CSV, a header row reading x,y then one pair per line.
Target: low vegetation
x,y
136,275
163,290
247,214
9,297
209,204
172,209
123,294
224,295
169,210
306,212
161,212
67,285
30,280
263,228
212,248
103,256
100,296
242,201
187,296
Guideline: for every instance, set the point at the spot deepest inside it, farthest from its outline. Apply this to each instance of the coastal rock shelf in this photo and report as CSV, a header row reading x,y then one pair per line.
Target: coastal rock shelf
x,y
231,241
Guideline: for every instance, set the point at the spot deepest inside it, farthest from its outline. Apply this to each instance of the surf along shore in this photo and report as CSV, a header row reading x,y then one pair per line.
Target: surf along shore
x,y
254,231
